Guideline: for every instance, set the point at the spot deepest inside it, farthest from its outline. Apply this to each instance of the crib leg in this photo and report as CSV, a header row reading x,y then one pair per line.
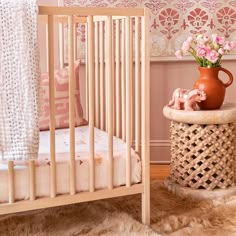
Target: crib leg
x,y
146,205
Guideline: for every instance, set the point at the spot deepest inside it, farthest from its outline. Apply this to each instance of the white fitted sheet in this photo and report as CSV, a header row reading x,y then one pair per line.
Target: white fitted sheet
x,y
62,165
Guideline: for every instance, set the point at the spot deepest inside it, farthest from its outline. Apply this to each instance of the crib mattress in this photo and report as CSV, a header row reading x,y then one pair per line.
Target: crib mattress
x,y
62,165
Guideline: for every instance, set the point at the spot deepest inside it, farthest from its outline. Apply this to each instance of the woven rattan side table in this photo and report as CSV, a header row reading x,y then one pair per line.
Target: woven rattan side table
x,y
203,148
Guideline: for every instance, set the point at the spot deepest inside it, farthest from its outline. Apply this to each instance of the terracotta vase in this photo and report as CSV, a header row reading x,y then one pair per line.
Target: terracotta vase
x,y
212,86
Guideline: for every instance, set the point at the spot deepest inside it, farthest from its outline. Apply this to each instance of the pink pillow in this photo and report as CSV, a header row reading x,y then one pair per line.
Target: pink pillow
x,y
61,85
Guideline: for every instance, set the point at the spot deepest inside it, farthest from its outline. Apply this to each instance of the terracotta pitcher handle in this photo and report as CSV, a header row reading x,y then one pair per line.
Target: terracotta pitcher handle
x,y
230,81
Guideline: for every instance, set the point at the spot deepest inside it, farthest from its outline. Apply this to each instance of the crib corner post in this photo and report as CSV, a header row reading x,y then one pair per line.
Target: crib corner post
x,y
145,124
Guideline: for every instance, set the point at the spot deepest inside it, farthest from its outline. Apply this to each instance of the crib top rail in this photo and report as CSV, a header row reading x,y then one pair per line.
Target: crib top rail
x,y
52,10
63,19
77,19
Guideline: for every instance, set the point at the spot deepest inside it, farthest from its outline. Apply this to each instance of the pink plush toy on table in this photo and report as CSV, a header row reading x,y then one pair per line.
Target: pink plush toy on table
x,y
185,99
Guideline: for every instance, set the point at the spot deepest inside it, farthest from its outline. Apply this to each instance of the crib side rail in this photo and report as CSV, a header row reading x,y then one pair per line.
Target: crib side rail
x,y
117,75
116,70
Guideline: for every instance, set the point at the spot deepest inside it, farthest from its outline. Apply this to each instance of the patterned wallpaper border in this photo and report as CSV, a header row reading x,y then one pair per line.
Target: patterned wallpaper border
x,y
172,21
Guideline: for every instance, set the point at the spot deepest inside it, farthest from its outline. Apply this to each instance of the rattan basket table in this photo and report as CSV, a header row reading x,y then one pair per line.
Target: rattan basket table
x,y
203,146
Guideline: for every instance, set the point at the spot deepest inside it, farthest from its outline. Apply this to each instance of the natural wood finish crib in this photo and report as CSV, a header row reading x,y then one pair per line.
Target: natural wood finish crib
x,y
118,67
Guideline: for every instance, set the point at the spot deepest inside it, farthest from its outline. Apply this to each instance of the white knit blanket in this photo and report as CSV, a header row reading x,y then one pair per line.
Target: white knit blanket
x,y
19,79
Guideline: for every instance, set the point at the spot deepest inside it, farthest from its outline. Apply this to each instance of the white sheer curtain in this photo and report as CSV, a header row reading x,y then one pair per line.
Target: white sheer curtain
x,y
19,80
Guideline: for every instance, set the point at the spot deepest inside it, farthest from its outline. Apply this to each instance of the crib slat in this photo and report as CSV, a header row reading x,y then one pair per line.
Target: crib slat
x,y
71,102
62,20
129,63
11,182
47,45
145,85
102,79
75,38
91,101
123,79
61,44
137,86
52,107
131,84
97,95
32,179
60,2
118,84
110,82
86,75
113,74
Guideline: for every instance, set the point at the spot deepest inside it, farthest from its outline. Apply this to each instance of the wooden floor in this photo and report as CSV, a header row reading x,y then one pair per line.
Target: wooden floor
x,y
159,172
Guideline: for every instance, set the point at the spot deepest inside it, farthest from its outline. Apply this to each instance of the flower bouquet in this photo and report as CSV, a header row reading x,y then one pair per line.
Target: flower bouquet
x,y
206,50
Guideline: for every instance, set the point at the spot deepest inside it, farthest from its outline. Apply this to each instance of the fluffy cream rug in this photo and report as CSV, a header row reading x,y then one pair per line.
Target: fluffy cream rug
x,y
170,215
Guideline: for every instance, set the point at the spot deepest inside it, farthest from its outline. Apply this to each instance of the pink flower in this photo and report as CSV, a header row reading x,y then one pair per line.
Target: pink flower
x,y
212,56
207,50
201,51
185,46
217,39
179,54
190,39
200,40
199,37
229,46
221,51
206,38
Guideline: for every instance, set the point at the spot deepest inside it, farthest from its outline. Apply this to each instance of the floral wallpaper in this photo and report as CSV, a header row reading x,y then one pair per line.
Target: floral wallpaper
x,y
173,20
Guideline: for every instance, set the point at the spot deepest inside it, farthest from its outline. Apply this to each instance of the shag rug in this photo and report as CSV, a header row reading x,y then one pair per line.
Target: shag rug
x,y
170,215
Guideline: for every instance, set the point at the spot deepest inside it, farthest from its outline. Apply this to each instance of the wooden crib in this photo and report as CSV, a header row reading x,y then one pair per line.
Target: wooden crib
x,y
117,101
